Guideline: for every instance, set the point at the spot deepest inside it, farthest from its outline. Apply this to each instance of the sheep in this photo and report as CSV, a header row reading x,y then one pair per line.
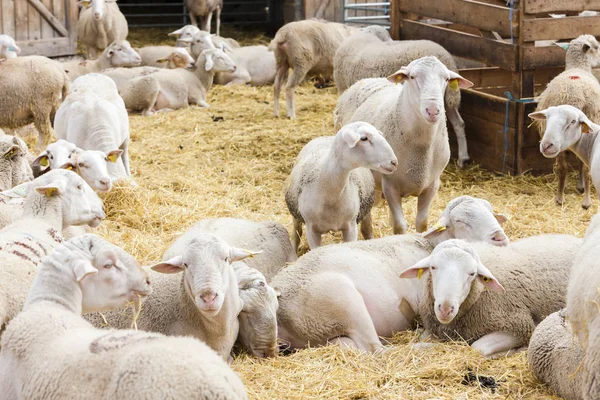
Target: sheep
x,y
8,48
351,293
54,156
149,89
568,128
204,9
118,54
576,86
331,187
307,47
186,35
365,56
54,202
464,299
203,302
50,352
183,34
412,119
165,57
33,88
96,119
14,168
99,25
555,356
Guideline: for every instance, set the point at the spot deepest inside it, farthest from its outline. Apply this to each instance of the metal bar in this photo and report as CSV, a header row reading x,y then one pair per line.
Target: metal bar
x,y
387,25
381,10
387,3
368,17
154,15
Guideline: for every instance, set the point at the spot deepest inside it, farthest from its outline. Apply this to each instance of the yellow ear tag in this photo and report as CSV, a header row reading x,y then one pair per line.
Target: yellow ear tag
x,y
453,83
486,279
9,154
44,161
113,158
162,61
86,3
70,168
50,192
439,227
585,128
420,273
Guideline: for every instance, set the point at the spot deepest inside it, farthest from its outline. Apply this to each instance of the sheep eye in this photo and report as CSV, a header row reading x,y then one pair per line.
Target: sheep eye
x,y
79,187
185,265
472,274
412,77
51,157
81,165
432,268
364,138
226,259
108,266
573,121
261,283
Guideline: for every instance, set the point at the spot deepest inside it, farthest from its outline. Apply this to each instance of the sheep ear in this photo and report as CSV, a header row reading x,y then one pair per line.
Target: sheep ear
x,y
53,189
350,136
237,254
113,155
538,115
83,268
416,271
68,165
488,280
501,218
437,229
186,40
21,190
162,60
176,33
456,81
172,266
399,76
209,62
11,152
587,126
41,161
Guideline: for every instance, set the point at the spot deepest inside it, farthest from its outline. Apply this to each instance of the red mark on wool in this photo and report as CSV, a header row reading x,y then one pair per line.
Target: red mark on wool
x,y
574,77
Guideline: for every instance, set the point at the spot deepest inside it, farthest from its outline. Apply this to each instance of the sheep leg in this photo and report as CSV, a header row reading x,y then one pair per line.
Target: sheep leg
x,y
41,120
394,200
587,198
125,156
561,171
313,236
297,234
218,18
366,227
461,138
280,77
350,232
423,204
496,342
207,22
580,176
193,19
298,75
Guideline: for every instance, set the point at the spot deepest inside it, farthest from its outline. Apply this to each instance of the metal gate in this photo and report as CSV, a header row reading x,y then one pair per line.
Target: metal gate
x,y
366,12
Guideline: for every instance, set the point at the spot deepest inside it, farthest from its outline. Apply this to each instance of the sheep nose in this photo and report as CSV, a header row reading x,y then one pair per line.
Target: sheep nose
x,y
499,238
394,162
234,68
209,297
432,111
148,281
97,15
547,146
446,309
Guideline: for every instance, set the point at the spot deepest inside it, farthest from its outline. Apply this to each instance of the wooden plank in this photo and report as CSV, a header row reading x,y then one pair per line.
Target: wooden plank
x,y
487,77
35,23
395,19
21,20
490,133
8,17
557,6
543,57
72,11
468,12
47,47
560,28
491,158
487,107
39,6
531,160
500,54
58,10
47,29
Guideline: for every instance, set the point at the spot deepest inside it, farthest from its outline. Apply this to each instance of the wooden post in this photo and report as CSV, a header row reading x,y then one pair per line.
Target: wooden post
x,y
396,19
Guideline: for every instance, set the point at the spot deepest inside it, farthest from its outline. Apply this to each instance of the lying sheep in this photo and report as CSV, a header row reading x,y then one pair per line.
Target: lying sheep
x,y
99,25
165,57
331,187
191,34
576,86
307,47
54,156
149,89
465,296
33,89
96,119
48,348
364,55
204,10
14,168
183,34
56,201
118,54
411,117
8,48
351,293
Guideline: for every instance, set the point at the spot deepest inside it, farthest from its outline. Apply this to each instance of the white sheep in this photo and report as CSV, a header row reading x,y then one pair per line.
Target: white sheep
x,y
204,10
54,202
14,167
578,87
100,23
93,117
493,297
412,118
118,54
50,352
184,35
368,55
8,48
54,156
190,33
255,66
351,293
331,187
165,57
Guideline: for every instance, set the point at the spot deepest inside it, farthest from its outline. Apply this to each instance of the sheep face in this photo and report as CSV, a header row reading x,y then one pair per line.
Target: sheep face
x,y
564,126
14,167
368,147
79,204
185,35
258,318
91,165
218,61
454,266
426,80
472,220
56,155
121,54
98,9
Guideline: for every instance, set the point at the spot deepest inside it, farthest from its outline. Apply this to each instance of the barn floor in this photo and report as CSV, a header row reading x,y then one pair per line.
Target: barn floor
x,y
232,160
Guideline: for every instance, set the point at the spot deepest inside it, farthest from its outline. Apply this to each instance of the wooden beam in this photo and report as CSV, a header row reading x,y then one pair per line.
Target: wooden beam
x,y
503,55
560,28
543,57
557,6
395,19
39,6
48,47
467,12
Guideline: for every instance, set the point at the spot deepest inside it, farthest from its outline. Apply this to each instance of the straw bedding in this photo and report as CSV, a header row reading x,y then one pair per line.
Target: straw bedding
x,y
232,160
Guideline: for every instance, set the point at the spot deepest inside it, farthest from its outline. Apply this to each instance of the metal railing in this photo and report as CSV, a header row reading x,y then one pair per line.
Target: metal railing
x,y
366,13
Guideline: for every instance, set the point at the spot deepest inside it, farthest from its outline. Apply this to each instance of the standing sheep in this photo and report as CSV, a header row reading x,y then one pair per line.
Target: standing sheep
x,y
577,87
412,118
331,187
204,10
118,54
364,55
99,25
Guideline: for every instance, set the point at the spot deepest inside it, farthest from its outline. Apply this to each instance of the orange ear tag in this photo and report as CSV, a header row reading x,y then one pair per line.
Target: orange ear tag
x,y
585,128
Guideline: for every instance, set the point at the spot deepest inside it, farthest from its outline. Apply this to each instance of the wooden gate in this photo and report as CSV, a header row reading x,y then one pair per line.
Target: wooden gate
x,y
44,27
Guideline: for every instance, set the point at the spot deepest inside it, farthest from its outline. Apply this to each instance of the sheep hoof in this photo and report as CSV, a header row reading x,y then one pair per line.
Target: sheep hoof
x,y
585,205
581,189
463,162
559,201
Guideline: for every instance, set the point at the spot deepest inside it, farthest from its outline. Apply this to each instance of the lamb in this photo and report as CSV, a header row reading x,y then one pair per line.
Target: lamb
x,y
55,201
576,86
329,296
204,10
55,156
366,56
8,48
118,54
456,305
14,168
33,88
187,35
183,34
149,89
331,187
412,119
99,25
86,275
568,128
307,47
165,57
96,119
